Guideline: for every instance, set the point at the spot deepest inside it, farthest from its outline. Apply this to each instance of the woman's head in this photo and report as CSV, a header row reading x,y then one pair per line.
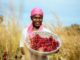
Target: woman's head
x,y
37,17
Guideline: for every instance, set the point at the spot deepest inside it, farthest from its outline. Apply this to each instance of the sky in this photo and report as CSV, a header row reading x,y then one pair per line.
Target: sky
x,y
66,12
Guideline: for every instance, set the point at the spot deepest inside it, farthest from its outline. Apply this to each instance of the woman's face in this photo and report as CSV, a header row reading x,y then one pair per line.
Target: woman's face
x,y
37,20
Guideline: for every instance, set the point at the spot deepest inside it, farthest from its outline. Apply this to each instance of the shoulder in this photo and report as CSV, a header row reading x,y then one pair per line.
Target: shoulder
x,y
47,30
24,31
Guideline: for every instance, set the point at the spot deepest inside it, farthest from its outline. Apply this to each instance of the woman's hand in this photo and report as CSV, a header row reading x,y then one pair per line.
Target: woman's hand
x,y
41,49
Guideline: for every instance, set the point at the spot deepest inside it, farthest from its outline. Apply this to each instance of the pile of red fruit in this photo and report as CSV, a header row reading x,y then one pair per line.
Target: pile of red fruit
x,y
43,44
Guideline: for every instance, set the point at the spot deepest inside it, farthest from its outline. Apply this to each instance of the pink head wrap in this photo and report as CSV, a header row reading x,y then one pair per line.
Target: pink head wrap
x,y
36,11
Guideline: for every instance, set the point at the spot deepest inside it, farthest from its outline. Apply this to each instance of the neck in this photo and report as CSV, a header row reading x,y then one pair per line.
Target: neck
x,y
35,29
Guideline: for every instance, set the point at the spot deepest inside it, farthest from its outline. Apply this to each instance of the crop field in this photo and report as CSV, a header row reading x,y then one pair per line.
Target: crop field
x,y
10,36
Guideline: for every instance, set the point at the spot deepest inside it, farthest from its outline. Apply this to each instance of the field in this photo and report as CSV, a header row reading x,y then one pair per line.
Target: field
x,y
10,36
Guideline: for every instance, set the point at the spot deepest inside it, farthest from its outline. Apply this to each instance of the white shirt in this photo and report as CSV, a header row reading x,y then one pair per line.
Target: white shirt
x,y
25,34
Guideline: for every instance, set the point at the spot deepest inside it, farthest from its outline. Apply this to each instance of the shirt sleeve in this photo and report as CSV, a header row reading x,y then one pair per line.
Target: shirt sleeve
x,y
23,38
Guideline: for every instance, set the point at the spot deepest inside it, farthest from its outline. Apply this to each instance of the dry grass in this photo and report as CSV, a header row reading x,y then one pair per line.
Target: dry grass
x,y
70,49
10,36
9,39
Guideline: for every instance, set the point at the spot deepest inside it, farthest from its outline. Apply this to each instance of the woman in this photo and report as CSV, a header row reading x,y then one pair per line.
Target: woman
x,y
36,25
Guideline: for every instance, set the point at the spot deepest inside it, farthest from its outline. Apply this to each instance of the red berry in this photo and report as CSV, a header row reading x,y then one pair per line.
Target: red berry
x,y
43,44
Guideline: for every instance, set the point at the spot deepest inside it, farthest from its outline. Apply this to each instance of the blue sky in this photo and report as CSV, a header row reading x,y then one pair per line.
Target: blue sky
x,y
67,11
